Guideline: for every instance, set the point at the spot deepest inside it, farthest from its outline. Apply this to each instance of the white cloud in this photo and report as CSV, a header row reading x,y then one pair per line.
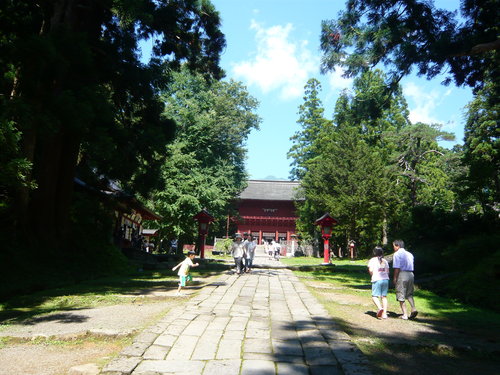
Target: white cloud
x,y
425,103
279,62
338,82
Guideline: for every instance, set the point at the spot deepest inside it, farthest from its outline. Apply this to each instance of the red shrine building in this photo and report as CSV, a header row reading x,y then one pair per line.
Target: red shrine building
x,y
267,210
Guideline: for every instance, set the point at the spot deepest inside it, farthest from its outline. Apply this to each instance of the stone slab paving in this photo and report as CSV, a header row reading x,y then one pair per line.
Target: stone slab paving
x,y
264,322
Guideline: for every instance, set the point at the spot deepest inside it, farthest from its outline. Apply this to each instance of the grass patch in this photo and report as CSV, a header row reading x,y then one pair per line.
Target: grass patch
x,y
312,261
69,343
221,256
408,359
100,292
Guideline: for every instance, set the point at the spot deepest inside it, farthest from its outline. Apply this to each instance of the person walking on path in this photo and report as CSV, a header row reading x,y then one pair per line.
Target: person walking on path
x,y
184,268
277,250
379,271
404,278
269,248
250,252
238,251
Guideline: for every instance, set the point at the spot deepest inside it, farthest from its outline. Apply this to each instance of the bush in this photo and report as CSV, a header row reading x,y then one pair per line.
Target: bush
x,y
477,260
30,266
224,246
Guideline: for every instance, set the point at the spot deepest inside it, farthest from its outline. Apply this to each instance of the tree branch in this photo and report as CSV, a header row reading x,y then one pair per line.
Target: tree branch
x,y
480,48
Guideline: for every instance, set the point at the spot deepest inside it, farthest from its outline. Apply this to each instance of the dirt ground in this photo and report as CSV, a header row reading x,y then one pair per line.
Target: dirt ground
x,y
424,345
53,359
51,344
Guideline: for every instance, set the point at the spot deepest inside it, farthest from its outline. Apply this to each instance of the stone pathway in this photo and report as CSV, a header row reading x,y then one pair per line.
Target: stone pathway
x,y
260,323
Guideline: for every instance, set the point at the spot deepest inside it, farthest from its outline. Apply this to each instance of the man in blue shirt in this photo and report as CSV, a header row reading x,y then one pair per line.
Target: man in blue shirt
x,y
403,278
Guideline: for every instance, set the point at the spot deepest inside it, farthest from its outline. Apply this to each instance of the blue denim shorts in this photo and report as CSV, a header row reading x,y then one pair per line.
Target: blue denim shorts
x,y
380,288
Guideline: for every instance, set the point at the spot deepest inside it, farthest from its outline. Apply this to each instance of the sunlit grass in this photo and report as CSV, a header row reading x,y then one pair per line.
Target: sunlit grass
x,y
95,293
219,256
355,280
313,261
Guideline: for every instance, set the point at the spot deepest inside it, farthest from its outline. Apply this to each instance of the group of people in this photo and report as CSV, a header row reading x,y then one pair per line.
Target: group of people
x,y
243,252
273,249
402,263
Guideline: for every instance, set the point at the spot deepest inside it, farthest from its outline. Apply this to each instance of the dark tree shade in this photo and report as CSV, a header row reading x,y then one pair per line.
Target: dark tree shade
x,y
74,91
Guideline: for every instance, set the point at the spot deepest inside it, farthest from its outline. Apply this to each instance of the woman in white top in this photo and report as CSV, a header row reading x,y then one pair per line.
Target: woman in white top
x,y
379,270
250,252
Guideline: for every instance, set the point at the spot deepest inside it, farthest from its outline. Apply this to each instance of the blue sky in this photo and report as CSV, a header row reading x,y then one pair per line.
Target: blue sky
x,y
273,48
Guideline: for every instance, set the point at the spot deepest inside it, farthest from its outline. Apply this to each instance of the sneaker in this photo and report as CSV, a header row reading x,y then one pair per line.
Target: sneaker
x,y
379,313
404,317
413,314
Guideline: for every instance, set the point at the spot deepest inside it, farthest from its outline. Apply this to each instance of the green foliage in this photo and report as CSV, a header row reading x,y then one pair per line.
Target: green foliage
x,y
417,156
15,169
407,34
351,174
372,108
456,254
204,166
482,147
353,186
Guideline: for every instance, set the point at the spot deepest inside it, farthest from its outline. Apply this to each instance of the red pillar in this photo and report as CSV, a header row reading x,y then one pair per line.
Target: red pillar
x,y
202,246
326,251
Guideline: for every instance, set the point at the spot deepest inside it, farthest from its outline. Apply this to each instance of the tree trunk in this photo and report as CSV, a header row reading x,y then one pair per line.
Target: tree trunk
x,y
43,202
68,161
384,230
53,146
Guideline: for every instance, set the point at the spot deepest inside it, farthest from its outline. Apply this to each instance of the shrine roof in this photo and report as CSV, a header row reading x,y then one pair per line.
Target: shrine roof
x,y
270,190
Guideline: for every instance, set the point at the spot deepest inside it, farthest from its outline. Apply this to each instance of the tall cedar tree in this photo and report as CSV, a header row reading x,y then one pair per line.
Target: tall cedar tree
x,y
482,148
312,121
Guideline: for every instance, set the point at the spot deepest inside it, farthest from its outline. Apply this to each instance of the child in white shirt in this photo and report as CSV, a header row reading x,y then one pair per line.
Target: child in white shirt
x,y
183,273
